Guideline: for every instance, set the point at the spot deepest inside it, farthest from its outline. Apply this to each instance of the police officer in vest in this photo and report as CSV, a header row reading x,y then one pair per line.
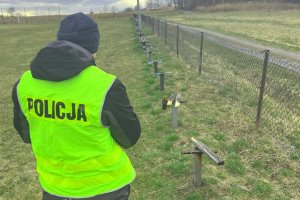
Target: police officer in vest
x,y
77,118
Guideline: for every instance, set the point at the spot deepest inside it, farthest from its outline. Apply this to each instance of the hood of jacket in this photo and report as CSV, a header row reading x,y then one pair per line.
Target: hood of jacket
x,y
60,60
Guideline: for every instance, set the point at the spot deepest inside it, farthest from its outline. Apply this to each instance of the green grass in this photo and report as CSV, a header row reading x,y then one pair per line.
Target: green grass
x,y
275,28
254,169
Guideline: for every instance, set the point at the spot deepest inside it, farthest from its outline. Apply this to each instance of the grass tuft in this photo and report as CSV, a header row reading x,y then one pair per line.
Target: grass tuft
x,y
261,189
234,165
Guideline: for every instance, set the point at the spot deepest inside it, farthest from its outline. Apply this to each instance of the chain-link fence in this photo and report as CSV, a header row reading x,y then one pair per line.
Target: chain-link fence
x,y
263,86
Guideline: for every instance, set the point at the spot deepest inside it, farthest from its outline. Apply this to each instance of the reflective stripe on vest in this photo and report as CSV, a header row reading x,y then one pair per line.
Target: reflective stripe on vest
x,y
75,154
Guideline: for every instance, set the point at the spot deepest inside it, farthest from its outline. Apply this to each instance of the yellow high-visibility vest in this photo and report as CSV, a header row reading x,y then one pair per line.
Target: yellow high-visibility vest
x,y
76,155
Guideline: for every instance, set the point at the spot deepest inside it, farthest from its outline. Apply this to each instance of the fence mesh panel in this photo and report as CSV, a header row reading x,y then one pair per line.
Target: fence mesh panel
x,y
235,74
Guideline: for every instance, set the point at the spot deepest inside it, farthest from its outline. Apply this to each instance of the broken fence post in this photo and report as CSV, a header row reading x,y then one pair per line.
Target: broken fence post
x,y
173,101
201,149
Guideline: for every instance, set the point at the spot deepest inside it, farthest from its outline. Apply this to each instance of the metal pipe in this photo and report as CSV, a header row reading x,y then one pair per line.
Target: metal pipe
x,y
197,170
149,55
139,16
174,116
155,68
162,81
166,32
177,41
262,87
201,54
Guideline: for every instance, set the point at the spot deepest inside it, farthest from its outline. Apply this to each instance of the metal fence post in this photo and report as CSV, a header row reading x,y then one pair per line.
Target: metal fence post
x,y
174,116
262,86
177,41
201,54
158,24
155,68
149,54
166,31
162,81
198,169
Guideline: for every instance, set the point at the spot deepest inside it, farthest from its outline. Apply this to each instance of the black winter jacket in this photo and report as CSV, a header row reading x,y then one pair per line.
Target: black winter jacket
x,y
62,60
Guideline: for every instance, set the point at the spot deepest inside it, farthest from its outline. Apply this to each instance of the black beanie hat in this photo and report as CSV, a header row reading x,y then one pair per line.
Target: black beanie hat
x,y
80,29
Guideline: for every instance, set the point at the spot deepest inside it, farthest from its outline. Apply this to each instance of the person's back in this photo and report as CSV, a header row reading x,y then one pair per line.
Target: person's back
x,y
79,118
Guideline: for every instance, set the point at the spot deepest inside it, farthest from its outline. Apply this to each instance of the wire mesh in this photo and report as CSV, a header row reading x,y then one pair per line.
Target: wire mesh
x,y
281,108
235,74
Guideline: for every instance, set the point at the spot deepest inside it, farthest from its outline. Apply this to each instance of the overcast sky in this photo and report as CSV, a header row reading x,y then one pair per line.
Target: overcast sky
x,y
66,6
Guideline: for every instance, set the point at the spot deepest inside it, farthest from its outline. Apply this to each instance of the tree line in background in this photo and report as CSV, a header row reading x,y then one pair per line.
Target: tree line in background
x,y
192,4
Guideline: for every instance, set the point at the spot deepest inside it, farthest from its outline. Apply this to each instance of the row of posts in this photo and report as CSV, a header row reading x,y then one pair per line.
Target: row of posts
x,y
174,101
161,75
155,24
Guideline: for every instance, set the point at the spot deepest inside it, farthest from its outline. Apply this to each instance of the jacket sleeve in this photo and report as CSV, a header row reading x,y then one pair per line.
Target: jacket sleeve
x,y
118,114
20,121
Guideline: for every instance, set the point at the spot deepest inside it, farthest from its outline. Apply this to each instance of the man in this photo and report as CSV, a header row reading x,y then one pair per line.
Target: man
x,y
77,118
